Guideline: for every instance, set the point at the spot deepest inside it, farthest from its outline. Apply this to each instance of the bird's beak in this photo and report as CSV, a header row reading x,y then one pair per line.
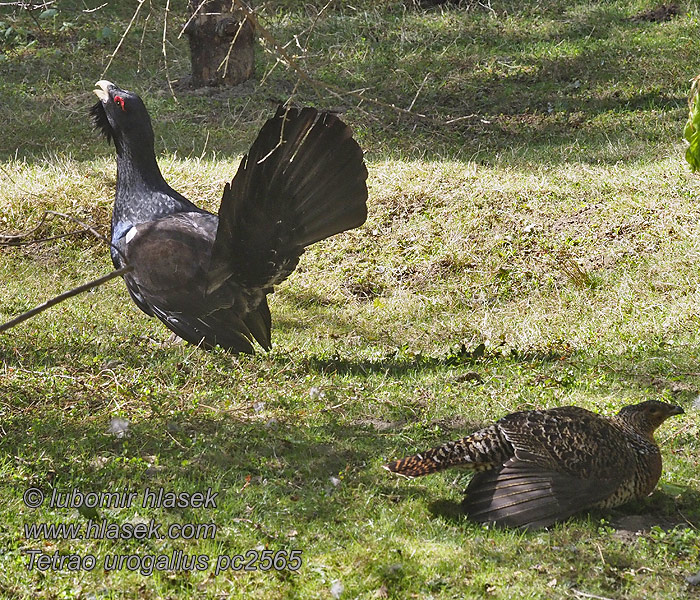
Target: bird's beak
x,y
676,410
103,92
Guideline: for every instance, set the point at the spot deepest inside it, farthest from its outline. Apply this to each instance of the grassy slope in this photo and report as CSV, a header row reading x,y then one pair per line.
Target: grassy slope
x,y
556,225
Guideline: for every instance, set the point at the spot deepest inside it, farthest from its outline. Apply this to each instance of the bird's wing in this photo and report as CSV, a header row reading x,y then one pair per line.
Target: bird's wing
x,y
521,494
170,256
302,180
569,440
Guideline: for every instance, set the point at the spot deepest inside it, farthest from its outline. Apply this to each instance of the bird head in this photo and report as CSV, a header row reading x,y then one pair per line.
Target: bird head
x,y
120,115
647,416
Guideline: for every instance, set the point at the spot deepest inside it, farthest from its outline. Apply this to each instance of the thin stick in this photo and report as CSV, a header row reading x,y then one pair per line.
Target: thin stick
x,y
143,36
419,91
15,243
224,63
64,296
192,16
97,234
92,10
29,6
126,32
15,240
7,239
165,54
267,36
313,25
309,29
587,595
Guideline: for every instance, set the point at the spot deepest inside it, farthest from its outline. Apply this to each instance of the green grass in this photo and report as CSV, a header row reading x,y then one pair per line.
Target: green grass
x,y
556,225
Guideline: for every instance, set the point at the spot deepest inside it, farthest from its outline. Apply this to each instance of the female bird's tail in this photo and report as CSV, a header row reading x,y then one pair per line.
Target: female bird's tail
x,y
479,451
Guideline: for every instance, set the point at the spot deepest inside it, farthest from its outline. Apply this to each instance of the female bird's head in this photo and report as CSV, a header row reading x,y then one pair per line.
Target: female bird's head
x,y
121,116
645,417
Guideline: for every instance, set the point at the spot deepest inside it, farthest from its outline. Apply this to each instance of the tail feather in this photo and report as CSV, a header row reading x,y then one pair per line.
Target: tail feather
x,y
418,464
223,328
509,499
259,322
479,451
303,180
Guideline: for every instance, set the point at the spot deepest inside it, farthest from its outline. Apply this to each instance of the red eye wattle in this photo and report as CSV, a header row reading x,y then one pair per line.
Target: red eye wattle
x,y
120,101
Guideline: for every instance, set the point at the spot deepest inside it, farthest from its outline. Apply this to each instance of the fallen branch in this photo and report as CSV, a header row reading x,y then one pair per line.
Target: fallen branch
x,y
64,296
92,10
17,239
7,239
27,6
20,239
165,54
587,595
4,242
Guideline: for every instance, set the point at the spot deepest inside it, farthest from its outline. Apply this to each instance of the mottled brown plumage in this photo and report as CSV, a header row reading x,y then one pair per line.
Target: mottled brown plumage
x,y
541,466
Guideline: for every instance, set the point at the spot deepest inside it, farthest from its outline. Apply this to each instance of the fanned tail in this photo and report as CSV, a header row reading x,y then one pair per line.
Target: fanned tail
x,y
303,180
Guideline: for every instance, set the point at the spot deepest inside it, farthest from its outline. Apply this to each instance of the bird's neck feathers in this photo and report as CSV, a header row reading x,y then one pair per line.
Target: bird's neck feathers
x,y
137,167
636,423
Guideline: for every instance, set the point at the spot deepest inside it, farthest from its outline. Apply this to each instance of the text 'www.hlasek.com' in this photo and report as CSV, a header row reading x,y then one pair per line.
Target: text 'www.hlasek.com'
x,y
96,528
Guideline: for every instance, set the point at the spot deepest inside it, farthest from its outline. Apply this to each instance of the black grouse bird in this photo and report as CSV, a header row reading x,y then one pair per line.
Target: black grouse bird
x,y
540,466
207,277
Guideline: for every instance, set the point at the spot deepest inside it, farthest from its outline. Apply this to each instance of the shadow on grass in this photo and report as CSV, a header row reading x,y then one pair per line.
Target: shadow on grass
x,y
247,461
543,79
659,510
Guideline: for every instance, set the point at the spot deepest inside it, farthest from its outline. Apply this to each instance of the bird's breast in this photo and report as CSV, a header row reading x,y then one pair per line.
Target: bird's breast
x,y
170,257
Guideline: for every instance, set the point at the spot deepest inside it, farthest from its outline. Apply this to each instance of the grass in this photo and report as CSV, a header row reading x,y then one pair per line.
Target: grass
x,y
555,225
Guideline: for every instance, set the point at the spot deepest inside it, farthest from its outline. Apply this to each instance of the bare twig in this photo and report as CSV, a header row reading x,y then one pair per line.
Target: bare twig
x,y
64,296
8,239
472,116
675,434
311,28
420,88
92,10
143,36
13,240
192,16
29,6
335,90
267,36
40,240
126,32
690,523
224,63
308,30
93,231
165,54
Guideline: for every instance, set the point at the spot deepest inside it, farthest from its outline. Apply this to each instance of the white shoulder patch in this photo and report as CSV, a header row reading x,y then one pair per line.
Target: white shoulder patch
x,y
130,234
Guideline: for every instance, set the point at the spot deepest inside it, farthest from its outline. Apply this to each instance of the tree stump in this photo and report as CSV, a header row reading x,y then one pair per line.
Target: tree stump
x,y
221,44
